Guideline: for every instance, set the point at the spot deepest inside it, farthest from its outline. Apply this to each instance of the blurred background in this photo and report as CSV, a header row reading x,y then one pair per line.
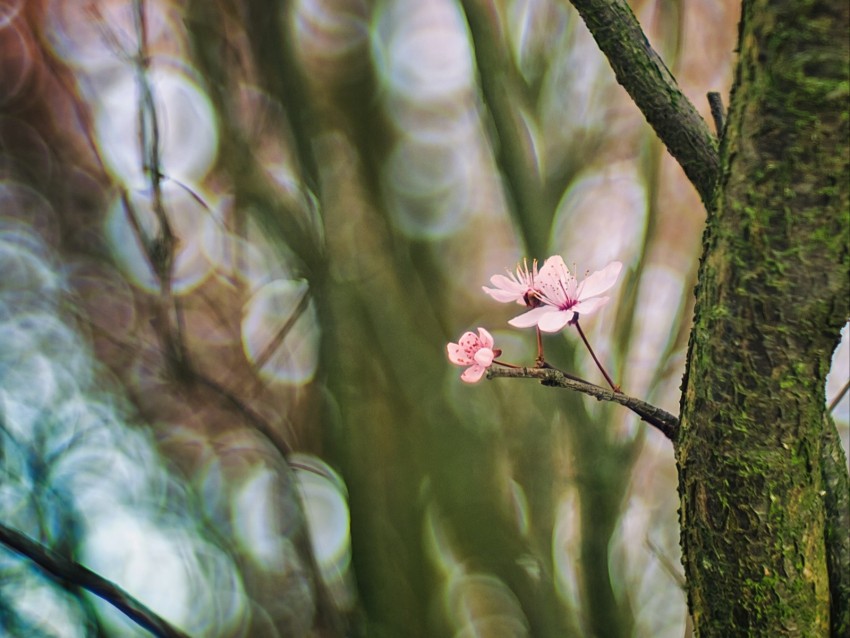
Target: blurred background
x,y
235,238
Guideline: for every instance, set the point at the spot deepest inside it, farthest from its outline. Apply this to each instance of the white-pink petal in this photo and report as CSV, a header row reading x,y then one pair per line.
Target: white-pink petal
x,y
555,282
555,321
506,283
589,306
484,357
473,374
530,318
553,269
505,287
503,296
600,281
468,342
514,287
457,355
485,339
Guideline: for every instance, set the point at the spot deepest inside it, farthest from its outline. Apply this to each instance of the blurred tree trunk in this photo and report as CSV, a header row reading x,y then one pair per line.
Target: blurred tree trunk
x,y
761,510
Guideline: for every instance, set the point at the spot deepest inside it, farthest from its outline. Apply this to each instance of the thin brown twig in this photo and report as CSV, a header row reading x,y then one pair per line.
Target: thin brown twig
x,y
69,571
718,113
667,564
837,399
227,396
280,335
259,423
107,32
161,249
665,422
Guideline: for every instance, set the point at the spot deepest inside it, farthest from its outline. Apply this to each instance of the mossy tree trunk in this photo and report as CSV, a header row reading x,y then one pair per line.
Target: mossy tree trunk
x,y
771,300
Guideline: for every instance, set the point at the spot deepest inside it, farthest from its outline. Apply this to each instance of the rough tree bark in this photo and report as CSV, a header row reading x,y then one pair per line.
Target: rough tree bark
x,y
771,300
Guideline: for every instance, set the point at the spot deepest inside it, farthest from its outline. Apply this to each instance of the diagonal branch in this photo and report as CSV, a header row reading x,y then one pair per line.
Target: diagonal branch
x,y
656,417
64,569
653,88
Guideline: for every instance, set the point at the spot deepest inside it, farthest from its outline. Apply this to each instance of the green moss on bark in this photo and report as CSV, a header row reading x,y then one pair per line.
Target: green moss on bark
x,y
771,299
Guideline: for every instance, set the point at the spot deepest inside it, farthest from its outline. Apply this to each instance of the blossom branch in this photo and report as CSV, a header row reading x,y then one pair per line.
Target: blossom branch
x,y
68,571
605,374
653,88
656,417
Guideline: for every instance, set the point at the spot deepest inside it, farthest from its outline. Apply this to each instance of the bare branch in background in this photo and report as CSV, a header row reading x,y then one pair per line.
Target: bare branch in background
x,y
160,249
718,113
503,91
653,88
835,401
667,564
656,417
66,570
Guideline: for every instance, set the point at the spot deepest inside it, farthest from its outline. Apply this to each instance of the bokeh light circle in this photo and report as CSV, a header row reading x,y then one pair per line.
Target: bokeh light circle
x,y
9,10
187,126
325,499
102,34
283,343
427,186
422,50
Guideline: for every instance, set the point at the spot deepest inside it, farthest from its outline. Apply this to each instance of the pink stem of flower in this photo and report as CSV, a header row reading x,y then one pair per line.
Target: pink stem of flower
x,y
539,361
614,387
506,365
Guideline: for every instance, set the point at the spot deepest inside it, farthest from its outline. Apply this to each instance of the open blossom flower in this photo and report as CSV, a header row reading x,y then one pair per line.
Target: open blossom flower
x,y
564,298
475,351
520,287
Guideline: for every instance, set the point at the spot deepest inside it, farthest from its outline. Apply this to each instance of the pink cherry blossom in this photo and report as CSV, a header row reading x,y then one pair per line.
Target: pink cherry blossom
x,y
475,351
564,298
520,287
